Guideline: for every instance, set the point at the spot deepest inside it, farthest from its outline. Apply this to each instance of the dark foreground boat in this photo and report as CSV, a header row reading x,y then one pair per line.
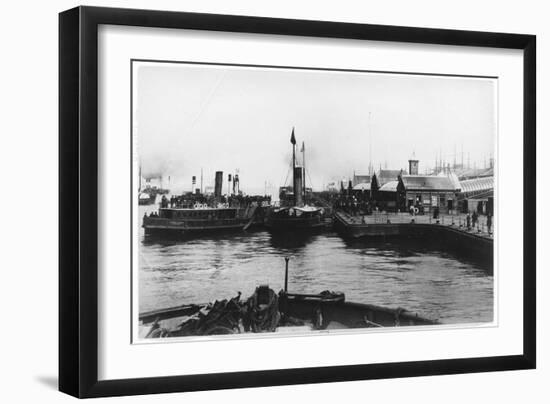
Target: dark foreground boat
x,y
267,311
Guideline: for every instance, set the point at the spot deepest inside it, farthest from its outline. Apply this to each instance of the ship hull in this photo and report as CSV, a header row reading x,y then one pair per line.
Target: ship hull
x,y
346,315
313,312
283,221
185,228
294,225
172,222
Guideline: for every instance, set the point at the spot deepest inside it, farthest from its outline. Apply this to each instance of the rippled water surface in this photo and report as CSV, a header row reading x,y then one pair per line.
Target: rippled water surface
x,y
435,284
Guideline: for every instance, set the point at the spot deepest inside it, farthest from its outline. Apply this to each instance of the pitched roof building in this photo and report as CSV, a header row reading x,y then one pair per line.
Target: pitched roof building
x,y
384,176
362,186
361,178
427,192
390,186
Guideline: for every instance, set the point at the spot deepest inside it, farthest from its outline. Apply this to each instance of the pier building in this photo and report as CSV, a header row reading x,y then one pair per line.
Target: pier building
x,y
476,194
383,177
426,192
385,197
384,189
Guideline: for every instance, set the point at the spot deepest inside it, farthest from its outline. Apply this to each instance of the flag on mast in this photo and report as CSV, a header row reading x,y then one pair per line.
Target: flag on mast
x,y
292,138
303,148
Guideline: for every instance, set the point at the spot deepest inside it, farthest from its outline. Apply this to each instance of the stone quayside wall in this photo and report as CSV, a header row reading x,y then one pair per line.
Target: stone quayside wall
x,y
445,237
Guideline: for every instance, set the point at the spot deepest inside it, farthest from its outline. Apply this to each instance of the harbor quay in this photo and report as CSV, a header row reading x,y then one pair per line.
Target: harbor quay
x,y
459,221
448,232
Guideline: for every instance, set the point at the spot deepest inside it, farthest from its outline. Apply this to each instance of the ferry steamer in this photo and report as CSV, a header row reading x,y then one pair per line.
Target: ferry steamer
x,y
191,220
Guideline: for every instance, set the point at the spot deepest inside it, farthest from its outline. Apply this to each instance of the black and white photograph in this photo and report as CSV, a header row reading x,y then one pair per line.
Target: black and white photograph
x,y
276,200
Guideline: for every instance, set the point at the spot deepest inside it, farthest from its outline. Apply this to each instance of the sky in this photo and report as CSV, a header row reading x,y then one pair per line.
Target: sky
x,y
228,118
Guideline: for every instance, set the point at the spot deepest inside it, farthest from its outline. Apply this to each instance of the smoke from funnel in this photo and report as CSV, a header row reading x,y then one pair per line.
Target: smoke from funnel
x,y
153,168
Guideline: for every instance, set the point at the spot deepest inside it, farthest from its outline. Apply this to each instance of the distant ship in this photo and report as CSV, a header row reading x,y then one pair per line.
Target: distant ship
x,y
146,198
296,215
148,194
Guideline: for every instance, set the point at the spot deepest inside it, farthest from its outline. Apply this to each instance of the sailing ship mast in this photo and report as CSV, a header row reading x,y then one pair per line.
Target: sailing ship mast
x,y
297,176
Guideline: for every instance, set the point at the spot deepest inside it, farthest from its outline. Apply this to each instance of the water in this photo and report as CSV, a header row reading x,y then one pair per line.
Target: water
x,y
407,274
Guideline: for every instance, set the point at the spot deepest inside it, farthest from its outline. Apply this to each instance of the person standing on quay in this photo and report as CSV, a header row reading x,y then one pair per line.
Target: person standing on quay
x,y
489,223
468,221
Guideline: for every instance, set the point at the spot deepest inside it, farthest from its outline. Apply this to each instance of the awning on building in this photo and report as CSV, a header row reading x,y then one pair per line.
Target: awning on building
x,y
477,187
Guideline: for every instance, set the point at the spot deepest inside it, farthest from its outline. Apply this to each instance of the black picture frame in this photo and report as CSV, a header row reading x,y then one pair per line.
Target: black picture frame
x,y
78,196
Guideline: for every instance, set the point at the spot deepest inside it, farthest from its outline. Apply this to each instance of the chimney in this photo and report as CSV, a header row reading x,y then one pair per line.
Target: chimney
x,y
236,181
218,184
413,166
298,187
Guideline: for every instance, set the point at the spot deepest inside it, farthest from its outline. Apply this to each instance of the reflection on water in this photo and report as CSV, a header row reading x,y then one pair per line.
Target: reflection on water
x,y
404,274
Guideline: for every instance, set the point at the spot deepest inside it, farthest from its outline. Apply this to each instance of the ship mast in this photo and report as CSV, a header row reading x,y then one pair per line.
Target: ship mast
x,y
293,141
